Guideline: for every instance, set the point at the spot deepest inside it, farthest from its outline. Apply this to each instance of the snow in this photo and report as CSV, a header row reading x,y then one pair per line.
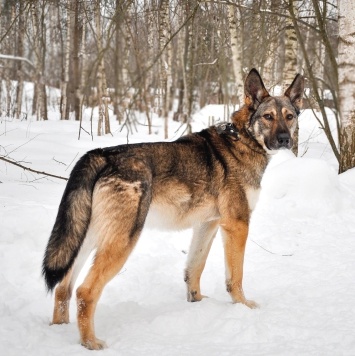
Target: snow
x,y
299,263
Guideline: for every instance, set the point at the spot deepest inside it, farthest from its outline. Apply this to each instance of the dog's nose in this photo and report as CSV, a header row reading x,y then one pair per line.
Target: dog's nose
x,y
284,140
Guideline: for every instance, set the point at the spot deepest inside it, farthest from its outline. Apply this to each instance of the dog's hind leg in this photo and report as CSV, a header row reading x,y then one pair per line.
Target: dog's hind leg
x,y
119,212
62,297
108,262
64,290
200,246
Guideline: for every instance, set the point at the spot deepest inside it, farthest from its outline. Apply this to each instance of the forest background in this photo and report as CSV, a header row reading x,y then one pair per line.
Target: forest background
x,y
173,57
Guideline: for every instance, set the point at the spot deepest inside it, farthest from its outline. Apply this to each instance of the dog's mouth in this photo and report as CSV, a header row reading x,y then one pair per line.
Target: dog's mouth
x,y
270,151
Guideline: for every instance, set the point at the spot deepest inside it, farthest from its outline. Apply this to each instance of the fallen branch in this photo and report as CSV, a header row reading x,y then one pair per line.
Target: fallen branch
x,y
2,158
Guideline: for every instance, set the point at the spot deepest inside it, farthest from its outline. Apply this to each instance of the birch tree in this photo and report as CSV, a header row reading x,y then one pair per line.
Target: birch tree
x,y
77,36
64,83
165,68
148,72
236,48
189,69
346,73
117,61
40,97
290,69
102,93
20,53
83,75
271,38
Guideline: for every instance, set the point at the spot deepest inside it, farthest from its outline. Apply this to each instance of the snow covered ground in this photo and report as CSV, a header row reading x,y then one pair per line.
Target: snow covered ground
x,y
299,264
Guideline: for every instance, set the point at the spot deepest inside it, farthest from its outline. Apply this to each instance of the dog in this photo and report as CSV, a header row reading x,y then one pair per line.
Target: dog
x,y
205,180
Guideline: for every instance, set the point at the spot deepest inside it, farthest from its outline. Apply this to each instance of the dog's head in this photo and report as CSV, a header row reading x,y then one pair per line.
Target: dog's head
x,y
273,119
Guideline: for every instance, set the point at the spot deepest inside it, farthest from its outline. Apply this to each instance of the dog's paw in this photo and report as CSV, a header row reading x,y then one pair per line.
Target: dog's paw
x,y
95,344
193,296
251,304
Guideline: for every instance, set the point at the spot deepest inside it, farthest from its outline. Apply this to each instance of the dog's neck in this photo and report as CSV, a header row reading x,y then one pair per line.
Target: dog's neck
x,y
229,129
240,121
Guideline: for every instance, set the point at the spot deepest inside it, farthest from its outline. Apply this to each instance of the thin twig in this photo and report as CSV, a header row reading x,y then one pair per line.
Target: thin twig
x,y
2,158
72,161
273,253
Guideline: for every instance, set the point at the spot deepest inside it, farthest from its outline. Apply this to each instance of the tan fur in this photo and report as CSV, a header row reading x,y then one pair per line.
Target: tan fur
x,y
61,302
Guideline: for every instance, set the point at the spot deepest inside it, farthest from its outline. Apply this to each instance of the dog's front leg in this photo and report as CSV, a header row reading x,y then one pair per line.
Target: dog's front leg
x,y
202,239
235,233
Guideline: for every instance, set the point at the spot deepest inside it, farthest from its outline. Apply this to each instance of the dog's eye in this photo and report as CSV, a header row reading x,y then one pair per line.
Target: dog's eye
x,y
268,117
289,117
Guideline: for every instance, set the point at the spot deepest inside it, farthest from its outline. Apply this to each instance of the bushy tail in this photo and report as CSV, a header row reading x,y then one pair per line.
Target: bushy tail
x,y
73,218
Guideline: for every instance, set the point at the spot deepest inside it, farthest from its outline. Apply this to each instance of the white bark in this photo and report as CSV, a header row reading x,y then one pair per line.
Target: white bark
x,y
290,69
102,94
20,74
83,75
127,47
236,48
165,65
65,81
346,76
346,57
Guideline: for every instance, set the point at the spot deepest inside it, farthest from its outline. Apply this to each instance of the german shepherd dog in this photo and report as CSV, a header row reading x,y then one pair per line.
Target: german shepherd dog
x,y
204,180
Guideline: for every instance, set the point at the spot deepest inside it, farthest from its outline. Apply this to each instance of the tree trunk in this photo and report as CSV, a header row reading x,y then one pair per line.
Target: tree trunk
x,y
189,63
290,68
165,67
236,48
77,35
83,75
102,94
117,62
37,97
64,83
20,53
346,50
148,70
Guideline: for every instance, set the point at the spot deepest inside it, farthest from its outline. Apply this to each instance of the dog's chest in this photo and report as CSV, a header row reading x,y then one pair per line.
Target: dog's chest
x,y
252,196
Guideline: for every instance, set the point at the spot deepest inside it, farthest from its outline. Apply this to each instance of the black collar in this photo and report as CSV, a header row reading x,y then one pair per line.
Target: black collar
x,y
227,128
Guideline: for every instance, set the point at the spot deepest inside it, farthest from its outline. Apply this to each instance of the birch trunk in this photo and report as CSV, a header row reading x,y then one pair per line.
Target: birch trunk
x,y
189,64
127,46
236,48
117,63
83,75
37,100
165,70
346,55
20,53
64,83
290,68
148,78
77,35
99,93
271,49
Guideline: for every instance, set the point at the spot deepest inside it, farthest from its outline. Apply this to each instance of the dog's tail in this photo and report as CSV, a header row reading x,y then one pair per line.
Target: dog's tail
x,y
73,218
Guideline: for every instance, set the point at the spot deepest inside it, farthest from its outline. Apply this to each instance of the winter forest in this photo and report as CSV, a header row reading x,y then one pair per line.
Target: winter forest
x,y
174,57
77,75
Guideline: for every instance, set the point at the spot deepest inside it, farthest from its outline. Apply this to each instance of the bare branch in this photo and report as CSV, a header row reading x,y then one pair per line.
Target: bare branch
x,y
15,58
2,158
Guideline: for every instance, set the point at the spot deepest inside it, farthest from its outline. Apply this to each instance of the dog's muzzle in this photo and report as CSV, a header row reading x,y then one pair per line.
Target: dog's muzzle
x,y
284,140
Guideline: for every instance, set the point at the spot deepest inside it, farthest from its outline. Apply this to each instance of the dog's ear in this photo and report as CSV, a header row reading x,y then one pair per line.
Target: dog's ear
x,y
295,92
254,89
